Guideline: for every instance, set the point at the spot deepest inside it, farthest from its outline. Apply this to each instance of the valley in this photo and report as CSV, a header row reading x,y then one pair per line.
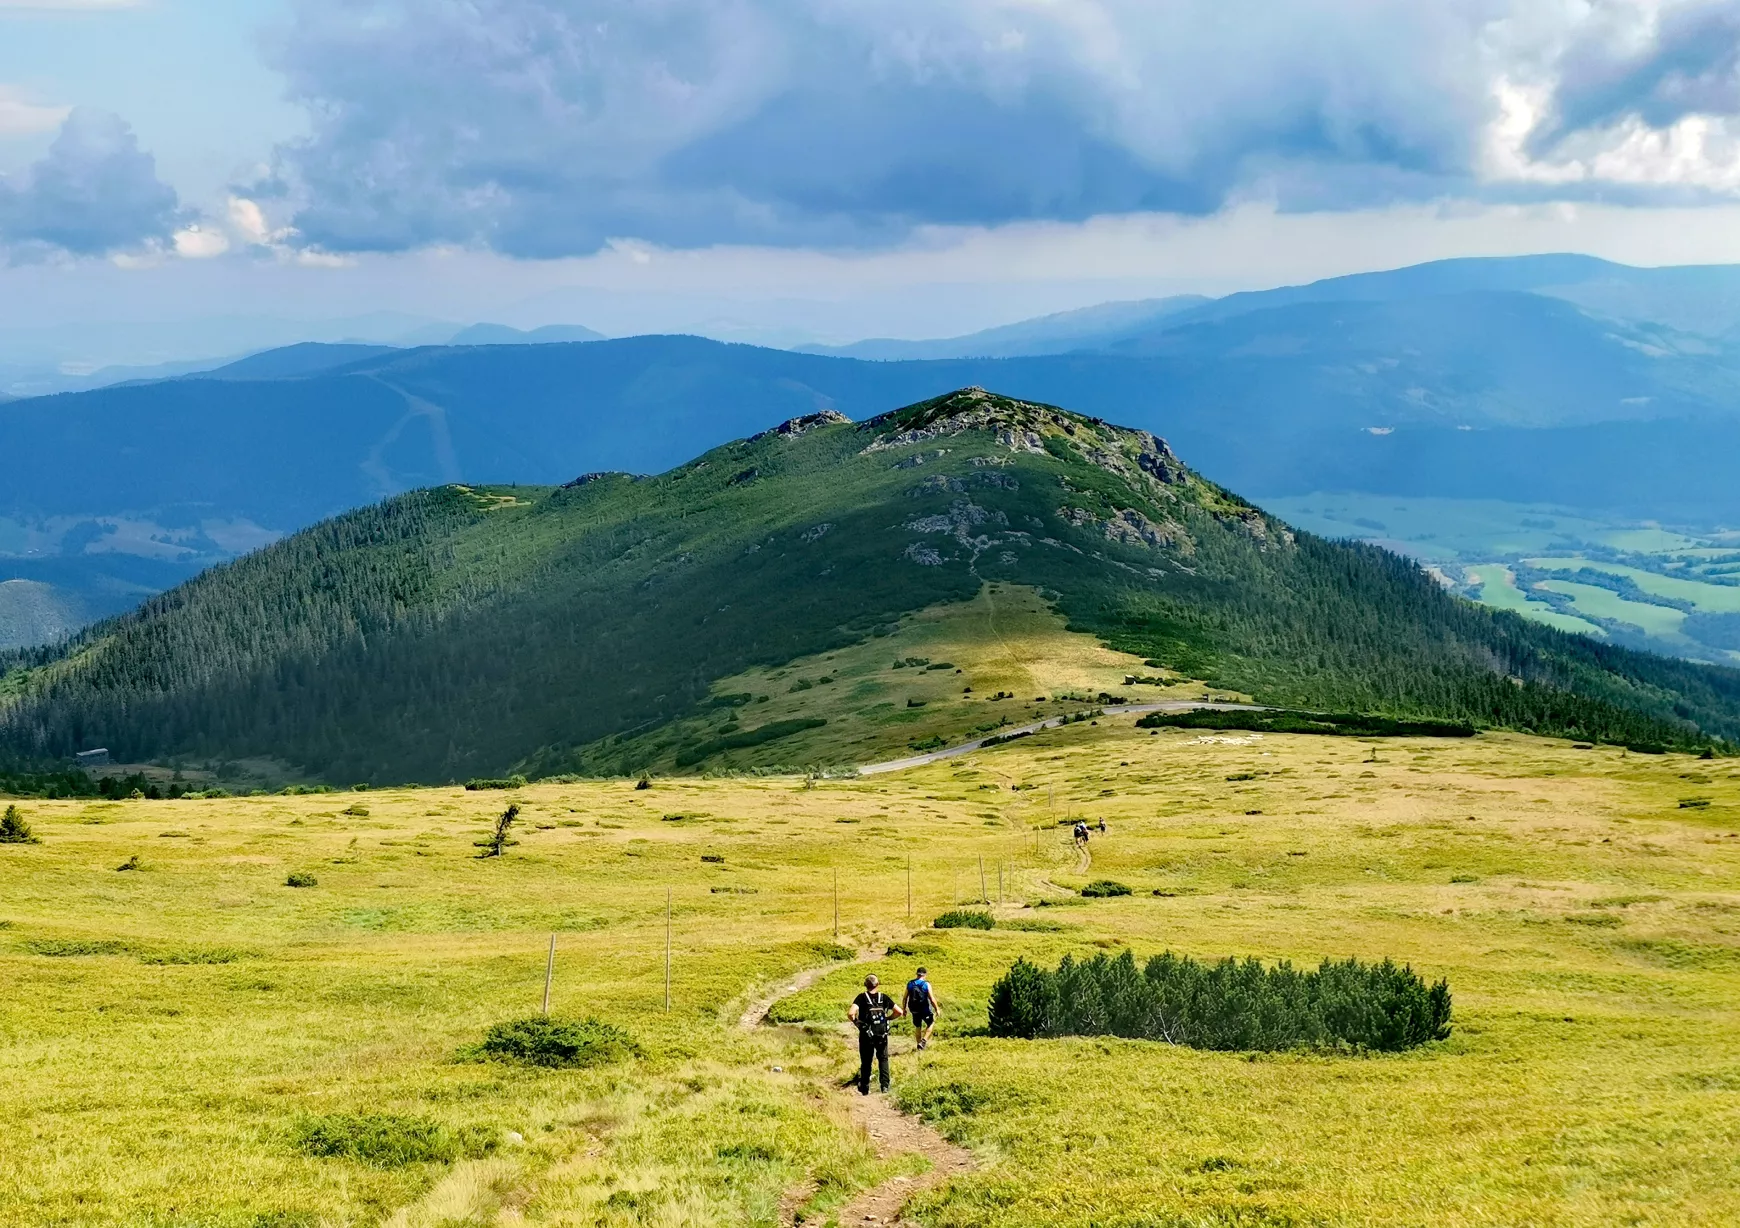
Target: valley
x,y
176,1029
1662,588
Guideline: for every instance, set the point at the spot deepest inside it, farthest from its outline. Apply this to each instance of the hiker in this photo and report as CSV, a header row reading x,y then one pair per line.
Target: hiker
x,y
920,1002
1081,832
872,1011
1102,827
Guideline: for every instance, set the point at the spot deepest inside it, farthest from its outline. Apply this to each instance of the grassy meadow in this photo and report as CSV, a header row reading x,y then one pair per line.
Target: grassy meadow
x,y
169,1033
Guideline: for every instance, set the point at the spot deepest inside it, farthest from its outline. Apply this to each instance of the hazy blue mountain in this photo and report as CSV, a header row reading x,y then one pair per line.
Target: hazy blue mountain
x,y
1460,379
1471,358
295,361
1085,328
501,334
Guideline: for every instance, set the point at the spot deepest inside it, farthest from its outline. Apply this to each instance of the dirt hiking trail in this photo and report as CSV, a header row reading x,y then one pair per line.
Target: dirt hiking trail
x,y
891,1133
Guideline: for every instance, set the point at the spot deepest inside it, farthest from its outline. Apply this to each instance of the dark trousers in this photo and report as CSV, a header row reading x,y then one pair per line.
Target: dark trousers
x,y
872,1049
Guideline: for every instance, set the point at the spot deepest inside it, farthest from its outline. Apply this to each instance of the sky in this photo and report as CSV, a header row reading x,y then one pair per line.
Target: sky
x,y
786,170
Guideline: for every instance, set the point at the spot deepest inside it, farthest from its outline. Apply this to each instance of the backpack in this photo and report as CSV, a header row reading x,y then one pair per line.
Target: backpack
x,y
873,1017
920,992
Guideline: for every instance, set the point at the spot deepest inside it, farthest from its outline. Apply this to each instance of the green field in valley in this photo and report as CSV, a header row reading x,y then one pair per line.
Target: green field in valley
x,y
1526,558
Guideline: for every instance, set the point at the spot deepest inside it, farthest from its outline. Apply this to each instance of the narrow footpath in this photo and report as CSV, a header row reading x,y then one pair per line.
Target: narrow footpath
x,y
891,1133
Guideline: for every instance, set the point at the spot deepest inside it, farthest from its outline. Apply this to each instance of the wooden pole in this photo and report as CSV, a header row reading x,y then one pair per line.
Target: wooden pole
x,y
667,948
909,888
549,973
999,884
836,905
983,894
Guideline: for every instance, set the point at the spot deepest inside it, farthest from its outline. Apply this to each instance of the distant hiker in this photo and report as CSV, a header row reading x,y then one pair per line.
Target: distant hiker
x,y
1081,832
873,1011
1102,827
920,1002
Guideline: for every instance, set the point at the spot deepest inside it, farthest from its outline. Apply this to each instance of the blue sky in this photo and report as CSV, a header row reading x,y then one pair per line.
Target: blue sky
x,y
544,157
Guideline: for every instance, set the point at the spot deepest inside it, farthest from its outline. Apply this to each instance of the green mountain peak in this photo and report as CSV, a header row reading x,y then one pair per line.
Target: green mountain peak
x,y
620,624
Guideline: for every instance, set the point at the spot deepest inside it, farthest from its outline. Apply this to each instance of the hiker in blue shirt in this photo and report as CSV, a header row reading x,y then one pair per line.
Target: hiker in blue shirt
x,y
920,1001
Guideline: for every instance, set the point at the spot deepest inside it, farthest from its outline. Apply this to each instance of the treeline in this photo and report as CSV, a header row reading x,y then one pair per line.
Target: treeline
x,y
73,783
1336,724
1230,1005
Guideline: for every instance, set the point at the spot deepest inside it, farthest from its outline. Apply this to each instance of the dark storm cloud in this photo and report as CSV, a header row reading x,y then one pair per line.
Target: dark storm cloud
x,y
542,128
1687,62
93,193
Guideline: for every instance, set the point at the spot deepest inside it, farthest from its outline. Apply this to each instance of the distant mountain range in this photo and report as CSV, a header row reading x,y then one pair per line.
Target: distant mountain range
x,y
1554,379
619,624
54,361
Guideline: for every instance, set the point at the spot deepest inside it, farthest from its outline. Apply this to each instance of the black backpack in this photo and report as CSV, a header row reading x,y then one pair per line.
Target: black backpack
x,y
873,1017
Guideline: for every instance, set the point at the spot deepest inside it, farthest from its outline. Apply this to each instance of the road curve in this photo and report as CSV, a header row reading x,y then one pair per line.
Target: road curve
x,y
952,752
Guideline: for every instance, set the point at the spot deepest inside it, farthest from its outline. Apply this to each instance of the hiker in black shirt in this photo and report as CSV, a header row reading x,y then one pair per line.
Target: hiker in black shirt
x,y
872,1011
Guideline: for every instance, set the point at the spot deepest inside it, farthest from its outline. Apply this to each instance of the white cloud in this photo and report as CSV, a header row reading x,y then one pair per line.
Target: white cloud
x,y
21,117
198,242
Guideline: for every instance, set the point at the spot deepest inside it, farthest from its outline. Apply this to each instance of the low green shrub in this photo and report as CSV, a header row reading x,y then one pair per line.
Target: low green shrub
x,y
965,919
836,951
543,1040
1034,925
301,878
387,1141
1104,888
1230,1005
915,950
495,782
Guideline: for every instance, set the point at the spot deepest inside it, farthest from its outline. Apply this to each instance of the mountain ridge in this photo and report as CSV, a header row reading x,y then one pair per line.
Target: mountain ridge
x,y
464,630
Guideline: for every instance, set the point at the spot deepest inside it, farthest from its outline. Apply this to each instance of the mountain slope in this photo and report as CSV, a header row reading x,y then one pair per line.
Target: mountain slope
x,y
460,631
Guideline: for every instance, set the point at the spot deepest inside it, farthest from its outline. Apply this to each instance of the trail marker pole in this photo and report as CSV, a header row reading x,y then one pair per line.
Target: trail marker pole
x,y
549,973
909,888
836,905
999,884
667,949
982,893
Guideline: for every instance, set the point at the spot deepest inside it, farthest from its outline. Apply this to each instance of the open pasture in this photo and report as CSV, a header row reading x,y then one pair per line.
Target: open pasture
x,y
172,1035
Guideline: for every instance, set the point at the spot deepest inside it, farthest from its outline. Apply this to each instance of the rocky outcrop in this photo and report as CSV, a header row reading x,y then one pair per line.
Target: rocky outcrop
x,y
1135,529
791,428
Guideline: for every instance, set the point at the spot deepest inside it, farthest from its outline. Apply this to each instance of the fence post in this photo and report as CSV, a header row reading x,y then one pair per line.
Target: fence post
x,y
667,949
549,973
836,904
909,888
983,894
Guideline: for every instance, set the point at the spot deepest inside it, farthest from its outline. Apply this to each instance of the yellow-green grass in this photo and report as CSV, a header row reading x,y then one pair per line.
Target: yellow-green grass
x,y
1498,589
1588,922
1006,657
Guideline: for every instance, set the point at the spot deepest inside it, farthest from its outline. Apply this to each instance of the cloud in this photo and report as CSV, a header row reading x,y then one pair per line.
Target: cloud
x,y
546,128
21,117
543,128
94,193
